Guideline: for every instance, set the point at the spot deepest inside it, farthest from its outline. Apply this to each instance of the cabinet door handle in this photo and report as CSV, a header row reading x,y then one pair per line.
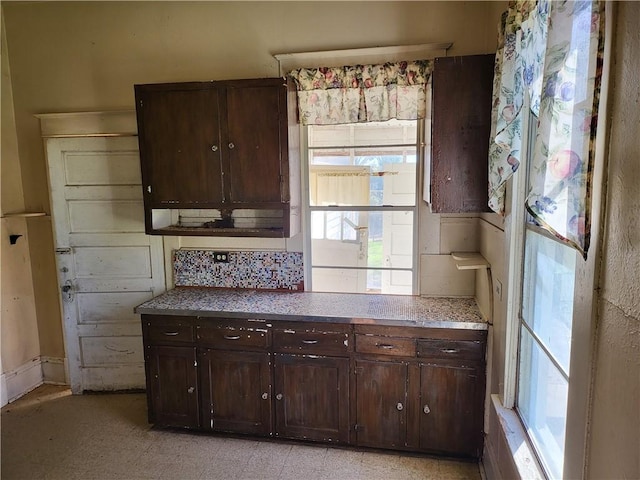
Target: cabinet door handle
x,y
231,145
190,390
385,346
170,334
399,406
265,395
214,148
310,342
449,350
232,337
426,409
279,396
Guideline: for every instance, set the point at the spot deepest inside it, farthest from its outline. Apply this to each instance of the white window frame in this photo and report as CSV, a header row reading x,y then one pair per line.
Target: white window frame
x,y
415,209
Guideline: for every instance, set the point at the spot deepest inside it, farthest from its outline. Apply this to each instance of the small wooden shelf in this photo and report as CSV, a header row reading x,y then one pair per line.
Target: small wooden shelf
x,y
469,261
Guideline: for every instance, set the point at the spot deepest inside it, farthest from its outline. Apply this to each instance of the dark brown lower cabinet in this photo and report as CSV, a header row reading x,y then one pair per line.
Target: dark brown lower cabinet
x,y
173,383
236,391
400,388
381,399
450,417
312,397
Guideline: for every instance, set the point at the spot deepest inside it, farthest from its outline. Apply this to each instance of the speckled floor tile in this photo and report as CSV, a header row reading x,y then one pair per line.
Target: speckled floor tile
x,y
49,434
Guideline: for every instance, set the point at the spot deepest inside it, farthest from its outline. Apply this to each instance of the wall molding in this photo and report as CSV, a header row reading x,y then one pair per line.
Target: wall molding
x,y
88,124
30,375
54,370
21,380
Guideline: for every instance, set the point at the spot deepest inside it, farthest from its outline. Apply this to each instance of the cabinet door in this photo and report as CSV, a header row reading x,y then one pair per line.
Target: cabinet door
x,y
256,119
312,397
451,409
381,392
236,391
461,126
179,136
173,384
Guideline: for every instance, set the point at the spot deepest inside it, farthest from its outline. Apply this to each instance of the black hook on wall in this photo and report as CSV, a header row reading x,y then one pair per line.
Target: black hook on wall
x,y
13,239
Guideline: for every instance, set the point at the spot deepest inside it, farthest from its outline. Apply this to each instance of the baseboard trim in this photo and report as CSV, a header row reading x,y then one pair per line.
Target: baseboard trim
x,y
21,380
54,370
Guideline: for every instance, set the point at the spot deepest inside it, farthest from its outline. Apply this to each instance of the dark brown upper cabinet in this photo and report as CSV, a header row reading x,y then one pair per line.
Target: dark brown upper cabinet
x,y
217,159
461,125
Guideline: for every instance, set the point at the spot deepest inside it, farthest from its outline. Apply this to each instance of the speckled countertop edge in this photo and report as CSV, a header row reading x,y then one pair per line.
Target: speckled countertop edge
x,y
399,310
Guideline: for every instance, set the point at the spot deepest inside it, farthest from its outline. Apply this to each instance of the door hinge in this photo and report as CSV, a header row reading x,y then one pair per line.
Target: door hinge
x,y
141,103
356,427
63,251
358,370
148,188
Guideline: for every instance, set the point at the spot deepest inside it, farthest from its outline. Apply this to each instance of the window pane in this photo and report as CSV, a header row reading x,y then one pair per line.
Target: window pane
x,y
361,281
542,403
373,180
363,165
548,293
362,239
393,132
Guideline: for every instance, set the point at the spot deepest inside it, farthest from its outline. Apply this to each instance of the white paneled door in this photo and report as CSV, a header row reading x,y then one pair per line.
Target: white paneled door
x,y
106,264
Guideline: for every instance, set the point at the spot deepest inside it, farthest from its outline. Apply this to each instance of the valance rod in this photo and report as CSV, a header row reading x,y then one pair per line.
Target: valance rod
x,y
289,61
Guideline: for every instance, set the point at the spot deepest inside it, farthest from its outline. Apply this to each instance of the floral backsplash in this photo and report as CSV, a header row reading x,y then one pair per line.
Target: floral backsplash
x,y
254,270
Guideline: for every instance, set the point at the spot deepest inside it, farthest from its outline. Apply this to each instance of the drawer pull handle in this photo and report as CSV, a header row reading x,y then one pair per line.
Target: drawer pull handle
x,y
279,396
190,390
310,342
232,337
171,334
449,350
399,406
385,346
265,396
426,409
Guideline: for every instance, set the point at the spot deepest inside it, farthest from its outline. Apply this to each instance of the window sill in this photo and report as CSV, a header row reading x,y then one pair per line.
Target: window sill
x,y
518,450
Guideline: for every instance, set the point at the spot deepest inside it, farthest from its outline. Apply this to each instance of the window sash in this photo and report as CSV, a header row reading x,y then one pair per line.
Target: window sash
x,y
405,148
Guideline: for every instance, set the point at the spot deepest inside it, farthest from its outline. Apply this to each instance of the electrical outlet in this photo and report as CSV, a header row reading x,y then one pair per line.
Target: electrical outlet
x,y
221,257
499,289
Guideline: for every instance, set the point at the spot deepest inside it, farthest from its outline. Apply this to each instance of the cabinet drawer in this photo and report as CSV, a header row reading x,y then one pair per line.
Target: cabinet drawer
x,y
233,338
169,333
454,349
378,345
289,340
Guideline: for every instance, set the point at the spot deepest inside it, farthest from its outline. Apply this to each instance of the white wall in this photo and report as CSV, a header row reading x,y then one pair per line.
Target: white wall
x,y
19,337
614,439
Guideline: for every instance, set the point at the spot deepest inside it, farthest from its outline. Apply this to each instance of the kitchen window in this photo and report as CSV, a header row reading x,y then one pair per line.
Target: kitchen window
x,y
362,206
545,344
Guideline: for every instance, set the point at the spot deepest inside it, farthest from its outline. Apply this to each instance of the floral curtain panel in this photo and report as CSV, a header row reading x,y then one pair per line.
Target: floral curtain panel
x,y
551,51
362,93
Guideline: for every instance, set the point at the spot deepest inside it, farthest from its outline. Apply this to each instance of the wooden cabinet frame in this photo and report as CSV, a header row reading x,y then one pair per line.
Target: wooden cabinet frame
x,y
216,151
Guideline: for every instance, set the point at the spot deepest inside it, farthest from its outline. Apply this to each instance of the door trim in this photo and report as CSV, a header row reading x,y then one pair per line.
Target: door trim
x,y
88,124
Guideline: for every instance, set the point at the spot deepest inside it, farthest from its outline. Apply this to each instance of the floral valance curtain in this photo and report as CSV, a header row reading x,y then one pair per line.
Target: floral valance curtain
x,y
552,52
362,93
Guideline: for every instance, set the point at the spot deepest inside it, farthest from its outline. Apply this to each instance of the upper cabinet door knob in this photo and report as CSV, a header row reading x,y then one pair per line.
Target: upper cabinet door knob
x,y
231,145
214,148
